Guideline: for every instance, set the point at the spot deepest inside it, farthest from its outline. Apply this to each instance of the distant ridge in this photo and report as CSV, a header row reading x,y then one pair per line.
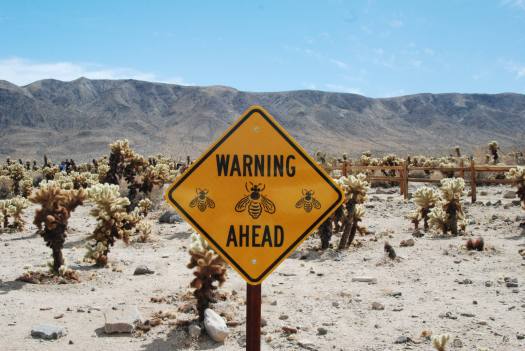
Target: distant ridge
x,y
79,118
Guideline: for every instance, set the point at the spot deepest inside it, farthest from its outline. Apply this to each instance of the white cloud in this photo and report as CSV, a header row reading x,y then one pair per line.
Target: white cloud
x,y
397,23
516,68
514,3
342,88
21,71
340,64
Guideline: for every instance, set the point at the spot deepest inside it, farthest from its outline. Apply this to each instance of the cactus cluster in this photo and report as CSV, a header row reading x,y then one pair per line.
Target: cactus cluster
x,y
209,272
439,342
493,149
448,212
426,199
13,208
113,222
517,175
52,218
355,188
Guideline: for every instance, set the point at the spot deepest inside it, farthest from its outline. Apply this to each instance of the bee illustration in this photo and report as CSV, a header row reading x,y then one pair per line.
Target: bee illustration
x,y
255,202
202,201
308,201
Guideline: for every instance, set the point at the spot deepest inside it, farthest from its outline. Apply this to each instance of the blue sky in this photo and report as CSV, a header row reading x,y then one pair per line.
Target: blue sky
x,y
373,48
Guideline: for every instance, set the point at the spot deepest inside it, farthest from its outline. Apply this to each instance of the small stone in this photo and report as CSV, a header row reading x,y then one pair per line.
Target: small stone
x,y
289,330
322,331
215,325
520,336
457,343
369,280
273,303
71,342
407,243
48,332
511,282
194,330
466,314
488,283
142,269
59,316
378,306
509,194
402,340
170,217
396,294
307,344
121,320
335,304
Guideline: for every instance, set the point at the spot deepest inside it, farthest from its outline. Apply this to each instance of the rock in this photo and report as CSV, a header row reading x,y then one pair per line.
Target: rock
x,y
467,314
170,217
322,331
194,330
395,294
215,325
283,317
407,243
369,280
377,306
488,283
457,343
289,330
48,331
142,269
307,344
483,193
509,194
516,202
121,320
520,336
402,340
511,282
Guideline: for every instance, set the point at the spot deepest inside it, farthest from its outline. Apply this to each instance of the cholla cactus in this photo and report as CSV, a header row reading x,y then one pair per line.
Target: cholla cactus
x,y
209,270
113,222
447,213
6,208
49,172
439,342
83,179
18,205
356,188
17,173
493,148
26,187
425,198
518,177
144,206
6,187
57,205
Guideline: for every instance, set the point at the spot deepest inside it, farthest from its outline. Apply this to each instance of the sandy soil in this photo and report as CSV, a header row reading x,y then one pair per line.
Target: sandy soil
x,y
424,290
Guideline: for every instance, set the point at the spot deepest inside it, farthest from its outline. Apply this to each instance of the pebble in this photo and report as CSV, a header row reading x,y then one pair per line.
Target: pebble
x,y
457,343
307,344
509,194
369,280
48,331
170,217
511,282
402,340
322,331
142,269
283,317
377,306
194,330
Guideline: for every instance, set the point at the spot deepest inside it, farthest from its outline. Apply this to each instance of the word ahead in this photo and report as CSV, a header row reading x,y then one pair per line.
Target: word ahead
x,y
255,195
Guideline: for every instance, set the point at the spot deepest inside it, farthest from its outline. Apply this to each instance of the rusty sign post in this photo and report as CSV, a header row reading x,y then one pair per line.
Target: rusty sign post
x,y
255,195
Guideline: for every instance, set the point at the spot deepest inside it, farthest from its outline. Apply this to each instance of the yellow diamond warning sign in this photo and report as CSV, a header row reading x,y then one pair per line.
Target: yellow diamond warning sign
x,y
255,195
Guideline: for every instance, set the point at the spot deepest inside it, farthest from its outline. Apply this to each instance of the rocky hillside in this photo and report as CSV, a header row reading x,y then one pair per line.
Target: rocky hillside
x,y
80,117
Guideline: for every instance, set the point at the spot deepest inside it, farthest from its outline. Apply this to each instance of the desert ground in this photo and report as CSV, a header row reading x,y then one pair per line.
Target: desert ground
x,y
309,303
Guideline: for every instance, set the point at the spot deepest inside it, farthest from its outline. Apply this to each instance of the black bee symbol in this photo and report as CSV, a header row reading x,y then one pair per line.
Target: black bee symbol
x,y
255,202
202,201
308,201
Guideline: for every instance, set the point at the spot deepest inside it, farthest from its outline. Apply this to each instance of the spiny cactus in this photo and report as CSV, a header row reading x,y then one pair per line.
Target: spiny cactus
x,y
144,206
113,222
210,271
425,198
18,205
439,342
517,175
356,188
493,148
51,219
449,212
6,187
5,212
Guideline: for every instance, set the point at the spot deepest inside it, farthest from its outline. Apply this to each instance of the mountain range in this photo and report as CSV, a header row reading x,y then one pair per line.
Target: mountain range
x,y
79,118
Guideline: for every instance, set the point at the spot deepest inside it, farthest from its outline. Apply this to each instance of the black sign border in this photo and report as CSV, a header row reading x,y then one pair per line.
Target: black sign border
x,y
299,151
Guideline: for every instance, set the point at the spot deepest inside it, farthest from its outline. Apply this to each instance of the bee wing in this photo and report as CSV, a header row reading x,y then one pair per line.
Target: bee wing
x,y
210,202
267,204
316,203
299,203
241,205
201,206
193,202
